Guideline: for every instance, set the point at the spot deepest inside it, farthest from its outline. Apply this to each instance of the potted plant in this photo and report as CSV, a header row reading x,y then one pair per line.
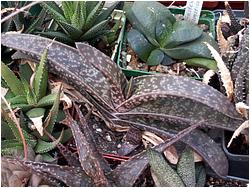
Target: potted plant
x,y
153,45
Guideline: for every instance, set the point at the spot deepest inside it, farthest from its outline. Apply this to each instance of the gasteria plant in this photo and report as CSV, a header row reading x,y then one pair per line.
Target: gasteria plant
x,y
157,38
163,104
79,20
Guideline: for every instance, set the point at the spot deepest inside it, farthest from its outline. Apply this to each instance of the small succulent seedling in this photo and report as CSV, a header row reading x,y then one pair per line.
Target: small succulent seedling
x,y
79,20
157,38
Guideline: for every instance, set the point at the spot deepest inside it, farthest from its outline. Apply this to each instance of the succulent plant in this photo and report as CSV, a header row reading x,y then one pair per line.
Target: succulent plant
x,y
162,104
157,38
32,100
79,20
25,22
187,174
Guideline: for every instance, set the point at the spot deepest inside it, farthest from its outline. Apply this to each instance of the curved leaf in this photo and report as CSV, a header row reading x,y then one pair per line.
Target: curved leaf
x,y
93,15
70,30
47,100
41,76
54,10
68,10
66,62
59,36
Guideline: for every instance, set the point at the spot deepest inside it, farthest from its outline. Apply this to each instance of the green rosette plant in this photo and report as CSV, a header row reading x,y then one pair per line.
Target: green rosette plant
x,y
157,38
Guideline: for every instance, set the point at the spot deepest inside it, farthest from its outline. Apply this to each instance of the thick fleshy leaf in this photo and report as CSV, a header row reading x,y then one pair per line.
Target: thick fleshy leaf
x,y
139,44
47,100
163,174
176,99
200,174
11,80
138,163
65,62
155,57
106,13
71,31
68,10
196,48
59,36
183,32
54,10
94,31
186,167
144,15
163,30
108,68
78,18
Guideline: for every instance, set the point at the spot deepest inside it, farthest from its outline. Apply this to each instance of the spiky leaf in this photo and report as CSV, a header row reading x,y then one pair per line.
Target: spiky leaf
x,y
78,18
93,15
41,76
44,147
11,80
68,10
47,100
54,10
52,116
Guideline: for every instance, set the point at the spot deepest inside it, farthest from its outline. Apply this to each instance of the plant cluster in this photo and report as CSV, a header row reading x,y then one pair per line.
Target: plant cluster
x,y
80,21
163,104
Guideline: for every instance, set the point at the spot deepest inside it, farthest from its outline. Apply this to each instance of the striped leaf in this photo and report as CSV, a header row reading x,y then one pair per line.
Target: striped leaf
x,y
68,10
78,18
54,10
93,15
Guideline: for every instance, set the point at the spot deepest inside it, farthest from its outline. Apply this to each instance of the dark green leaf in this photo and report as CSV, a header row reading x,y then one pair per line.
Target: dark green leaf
x,y
201,62
155,57
139,44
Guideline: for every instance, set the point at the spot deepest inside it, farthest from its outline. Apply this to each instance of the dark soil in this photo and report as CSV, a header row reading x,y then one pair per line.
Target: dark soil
x,y
216,182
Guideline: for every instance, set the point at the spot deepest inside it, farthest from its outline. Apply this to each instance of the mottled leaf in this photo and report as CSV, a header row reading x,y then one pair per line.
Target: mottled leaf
x,y
163,174
186,167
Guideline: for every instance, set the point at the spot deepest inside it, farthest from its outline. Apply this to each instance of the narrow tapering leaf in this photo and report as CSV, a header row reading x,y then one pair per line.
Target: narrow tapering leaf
x,y
68,10
91,165
11,80
93,15
110,70
47,100
53,113
59,36
38,22
54,10
78,18
41,76
93,31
